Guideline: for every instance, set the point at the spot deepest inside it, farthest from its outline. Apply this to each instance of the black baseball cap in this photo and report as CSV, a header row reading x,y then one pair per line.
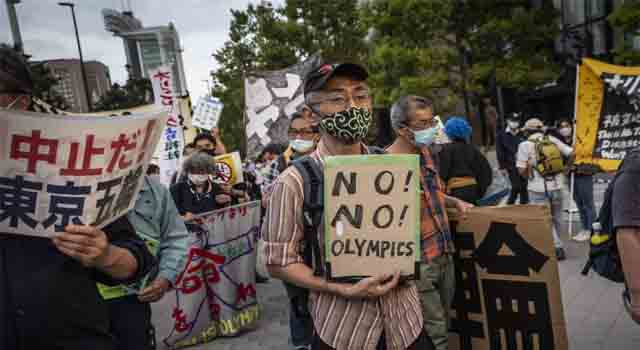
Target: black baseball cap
x,y
319,76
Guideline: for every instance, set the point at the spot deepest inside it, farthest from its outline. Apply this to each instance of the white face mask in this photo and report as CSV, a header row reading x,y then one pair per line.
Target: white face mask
x,y
566,132
513,125
198,179
302,146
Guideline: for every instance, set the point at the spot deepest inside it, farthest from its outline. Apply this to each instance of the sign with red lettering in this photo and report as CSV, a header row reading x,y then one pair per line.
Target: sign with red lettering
x,y
162,82
57,170
215,295
169,151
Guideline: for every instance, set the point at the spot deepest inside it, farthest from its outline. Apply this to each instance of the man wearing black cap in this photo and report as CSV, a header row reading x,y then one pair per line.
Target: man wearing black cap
x,y
377,312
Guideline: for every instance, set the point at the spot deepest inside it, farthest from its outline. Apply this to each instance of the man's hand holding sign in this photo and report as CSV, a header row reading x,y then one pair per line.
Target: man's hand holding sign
x,y
90,246
371,216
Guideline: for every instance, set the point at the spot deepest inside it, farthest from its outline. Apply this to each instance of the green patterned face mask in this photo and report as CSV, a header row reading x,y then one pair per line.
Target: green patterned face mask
x,y
351,126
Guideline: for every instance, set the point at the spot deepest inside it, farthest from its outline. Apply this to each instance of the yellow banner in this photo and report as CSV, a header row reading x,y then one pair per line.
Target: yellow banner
x,y
608,121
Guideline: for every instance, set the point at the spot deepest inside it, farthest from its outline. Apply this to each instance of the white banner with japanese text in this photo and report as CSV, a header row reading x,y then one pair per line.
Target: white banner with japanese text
x,y
57,170
169,151
215,295
162,82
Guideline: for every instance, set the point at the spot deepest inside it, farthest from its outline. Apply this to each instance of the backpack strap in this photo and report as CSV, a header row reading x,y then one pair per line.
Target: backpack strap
x,y
376,150
313,209
605,218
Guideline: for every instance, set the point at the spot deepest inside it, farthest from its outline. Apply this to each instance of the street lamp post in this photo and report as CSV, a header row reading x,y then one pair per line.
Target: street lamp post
x,y
82,70
208,82
13,23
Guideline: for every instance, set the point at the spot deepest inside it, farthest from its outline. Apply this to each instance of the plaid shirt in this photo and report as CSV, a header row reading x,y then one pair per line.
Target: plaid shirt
x,y
436,234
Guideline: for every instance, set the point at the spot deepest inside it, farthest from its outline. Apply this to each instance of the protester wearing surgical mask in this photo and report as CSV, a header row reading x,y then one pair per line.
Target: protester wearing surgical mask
x,y
198,194
413,121
507,143
303,136
583,183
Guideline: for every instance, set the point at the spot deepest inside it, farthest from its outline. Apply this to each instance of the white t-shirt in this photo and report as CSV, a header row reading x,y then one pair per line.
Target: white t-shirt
x,y
527,155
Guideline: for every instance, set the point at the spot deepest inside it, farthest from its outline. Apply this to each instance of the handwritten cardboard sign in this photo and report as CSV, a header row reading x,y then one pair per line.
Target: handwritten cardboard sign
x,y
507,281
57,170
372,212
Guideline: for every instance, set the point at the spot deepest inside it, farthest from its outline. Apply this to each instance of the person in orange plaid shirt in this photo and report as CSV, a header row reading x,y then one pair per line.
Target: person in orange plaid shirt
x,y
413,121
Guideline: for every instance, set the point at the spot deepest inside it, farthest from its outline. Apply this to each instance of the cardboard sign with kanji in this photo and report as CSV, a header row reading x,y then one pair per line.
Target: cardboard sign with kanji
x,y
507,282
58,170
371,215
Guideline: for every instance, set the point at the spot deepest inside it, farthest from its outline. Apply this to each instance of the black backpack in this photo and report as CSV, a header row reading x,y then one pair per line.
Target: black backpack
x,y
313,208
604,257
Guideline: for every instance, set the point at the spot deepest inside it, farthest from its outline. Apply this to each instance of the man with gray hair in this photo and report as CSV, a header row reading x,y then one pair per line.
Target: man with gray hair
x,y
416,128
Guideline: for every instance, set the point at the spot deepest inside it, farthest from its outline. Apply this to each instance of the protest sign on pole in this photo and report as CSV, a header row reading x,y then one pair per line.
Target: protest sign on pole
x,y
169,151
270,100
215,295
507,281
607,113
52,175
372,213
207,113
228,169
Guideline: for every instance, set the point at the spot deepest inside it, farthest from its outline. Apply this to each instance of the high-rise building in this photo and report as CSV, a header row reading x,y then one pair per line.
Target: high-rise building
x,y
71,86
147,48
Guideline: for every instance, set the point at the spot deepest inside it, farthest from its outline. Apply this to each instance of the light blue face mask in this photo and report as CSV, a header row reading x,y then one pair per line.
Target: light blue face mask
x,y
301,146
425,137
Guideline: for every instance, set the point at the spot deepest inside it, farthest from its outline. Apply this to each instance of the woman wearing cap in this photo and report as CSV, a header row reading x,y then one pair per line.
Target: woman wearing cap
x,y
463,167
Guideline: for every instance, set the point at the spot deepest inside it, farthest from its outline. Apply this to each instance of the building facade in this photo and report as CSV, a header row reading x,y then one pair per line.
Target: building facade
x,y
71,86
147,48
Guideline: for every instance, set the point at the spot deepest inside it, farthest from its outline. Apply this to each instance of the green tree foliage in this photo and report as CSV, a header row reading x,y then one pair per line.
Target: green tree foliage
x,y
136,92
264,37
627,18
447,49
43,86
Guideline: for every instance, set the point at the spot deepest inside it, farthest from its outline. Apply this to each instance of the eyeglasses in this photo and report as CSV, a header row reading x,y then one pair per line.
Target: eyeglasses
x,y
339,100
300,132
423,124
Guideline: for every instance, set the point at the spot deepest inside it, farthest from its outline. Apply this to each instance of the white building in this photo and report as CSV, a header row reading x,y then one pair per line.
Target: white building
x,y
147,48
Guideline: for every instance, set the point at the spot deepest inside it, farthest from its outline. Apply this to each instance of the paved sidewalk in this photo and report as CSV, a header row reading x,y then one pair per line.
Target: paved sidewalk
x,y
595,316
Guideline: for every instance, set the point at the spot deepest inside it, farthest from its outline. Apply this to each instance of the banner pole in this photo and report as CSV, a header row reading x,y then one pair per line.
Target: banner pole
x,y
575,133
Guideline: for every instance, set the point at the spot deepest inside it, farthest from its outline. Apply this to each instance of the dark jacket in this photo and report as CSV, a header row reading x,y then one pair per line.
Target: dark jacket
x,y
460,159
50,301
188,201
507,148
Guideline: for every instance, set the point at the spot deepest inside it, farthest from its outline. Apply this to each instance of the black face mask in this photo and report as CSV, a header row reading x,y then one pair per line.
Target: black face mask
x,y
211,152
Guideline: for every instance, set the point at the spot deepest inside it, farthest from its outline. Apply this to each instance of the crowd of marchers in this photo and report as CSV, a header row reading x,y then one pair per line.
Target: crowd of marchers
x,y
49,295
